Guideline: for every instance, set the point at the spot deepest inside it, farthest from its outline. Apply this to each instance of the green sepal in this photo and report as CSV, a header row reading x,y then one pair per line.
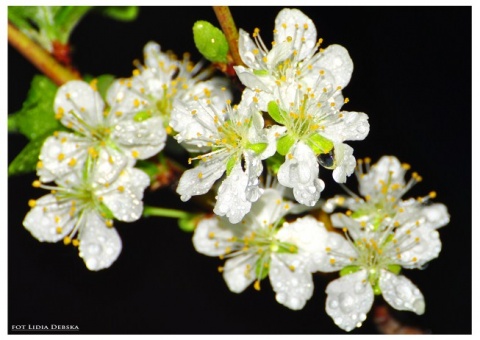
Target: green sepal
x,y
394,268
188,223
105,212
231,163
284,248
103,83
276,113
120,13
261,270
257,147
376,289
26,161
36,117
349,270
275,162
142,116
284,144
319,144
261,72
210,41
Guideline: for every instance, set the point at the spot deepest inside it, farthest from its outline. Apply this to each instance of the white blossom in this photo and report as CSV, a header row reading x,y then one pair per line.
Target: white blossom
x,y
294,56
263,245
81,212
232,136
109,136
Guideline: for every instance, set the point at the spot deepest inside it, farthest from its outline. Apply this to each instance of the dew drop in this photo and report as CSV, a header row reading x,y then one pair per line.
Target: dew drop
x,y
327,160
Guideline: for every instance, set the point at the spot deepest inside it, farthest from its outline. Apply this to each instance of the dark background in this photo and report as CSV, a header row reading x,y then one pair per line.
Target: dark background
x,y
412,76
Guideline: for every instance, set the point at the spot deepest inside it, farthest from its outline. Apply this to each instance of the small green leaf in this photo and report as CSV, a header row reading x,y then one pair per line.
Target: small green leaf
x,y
284,144
121,13
210,41
349,270
36,118
26,161
276,113
257,147
262,267
66,18
231,163
319,144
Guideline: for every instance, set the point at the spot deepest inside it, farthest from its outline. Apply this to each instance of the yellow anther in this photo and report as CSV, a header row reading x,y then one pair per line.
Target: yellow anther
x,y
220,269
211,235
39,164
36,184
121,188
367,160
265,59
32,203
61,157
256,285
305,26
332,260
200,175
109,223
396,224
135,154
136,72
346,100
72,162
136,102
75,242
406,166
348,213
328,249
255,99
291,267
417,239
432,194
284,25
255,51
93,84
344,230
332,104
289,38
67,240
414,259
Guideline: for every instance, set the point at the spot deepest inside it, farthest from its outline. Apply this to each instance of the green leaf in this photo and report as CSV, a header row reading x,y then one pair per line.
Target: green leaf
x,y
36,118
275,112
349,270
284,144
394,268
319,144
275,162
121,13
66,19
210,41
26,161
257,147
150,168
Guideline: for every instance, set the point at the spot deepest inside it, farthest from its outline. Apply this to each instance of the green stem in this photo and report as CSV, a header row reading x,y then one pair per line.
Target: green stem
x,y
230,30
164,212
39,57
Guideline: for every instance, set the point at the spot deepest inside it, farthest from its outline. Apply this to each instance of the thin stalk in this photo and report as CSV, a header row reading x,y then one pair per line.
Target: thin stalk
x,y
230,30
164,212
39,57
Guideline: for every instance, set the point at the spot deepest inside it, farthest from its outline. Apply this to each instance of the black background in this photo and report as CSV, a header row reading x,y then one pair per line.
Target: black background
x,y
412,76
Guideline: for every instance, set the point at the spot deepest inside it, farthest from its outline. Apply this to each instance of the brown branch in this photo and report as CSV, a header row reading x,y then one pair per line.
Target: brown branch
x,y
39,57
230,30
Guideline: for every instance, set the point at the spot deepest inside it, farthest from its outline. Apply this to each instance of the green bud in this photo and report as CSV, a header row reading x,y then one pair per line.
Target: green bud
x,y
210,41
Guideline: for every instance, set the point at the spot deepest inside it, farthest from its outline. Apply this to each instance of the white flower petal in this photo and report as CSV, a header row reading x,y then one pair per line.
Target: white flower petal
x,y
43,220
301,30
351,126
292,287
336,244
349,299
99,245
300,172
199,180
273,134
80,104
401,293
109,164
436,215
231,199
245,49
336,61
253,81
387,169
211,236
238,272
268,209
124,196
145,138
345,162
61,155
